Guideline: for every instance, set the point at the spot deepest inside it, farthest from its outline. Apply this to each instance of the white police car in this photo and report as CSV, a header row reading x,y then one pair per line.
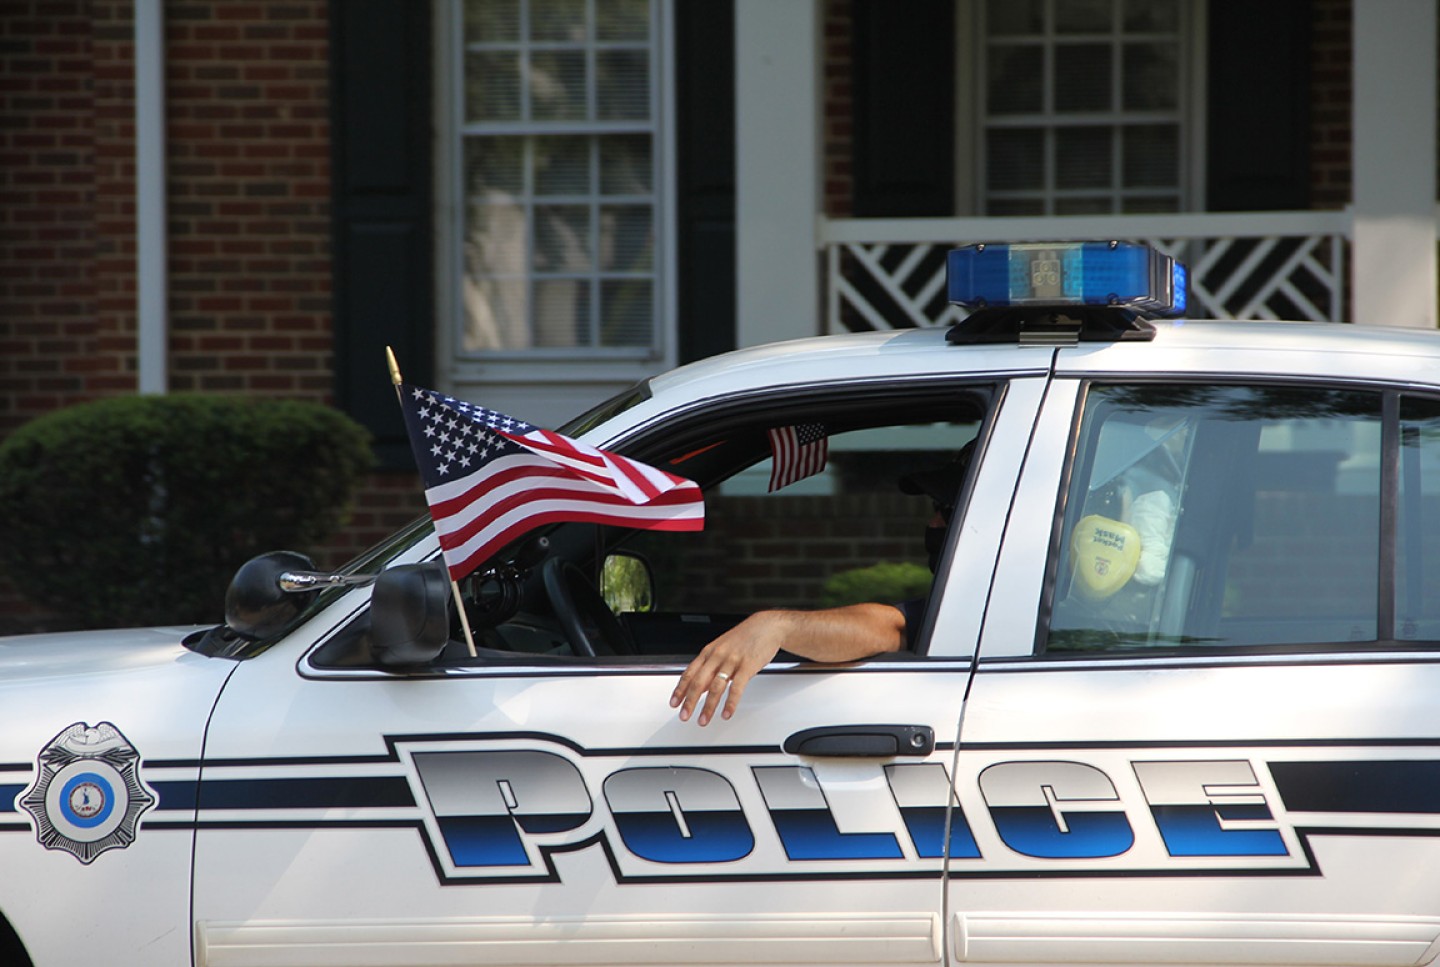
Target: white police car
x,y
1175,697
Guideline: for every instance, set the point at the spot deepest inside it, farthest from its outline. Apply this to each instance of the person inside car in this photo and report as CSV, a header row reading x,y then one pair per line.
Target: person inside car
x,y
851,632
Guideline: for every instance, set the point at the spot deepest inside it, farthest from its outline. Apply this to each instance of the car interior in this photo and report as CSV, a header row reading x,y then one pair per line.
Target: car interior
x,y
580,592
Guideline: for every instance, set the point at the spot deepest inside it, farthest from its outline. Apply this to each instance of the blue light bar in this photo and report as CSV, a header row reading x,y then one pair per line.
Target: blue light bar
x,y
1126,274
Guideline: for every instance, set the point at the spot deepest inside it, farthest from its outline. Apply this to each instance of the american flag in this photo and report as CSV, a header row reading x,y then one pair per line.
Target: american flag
x,y
490,478
796,452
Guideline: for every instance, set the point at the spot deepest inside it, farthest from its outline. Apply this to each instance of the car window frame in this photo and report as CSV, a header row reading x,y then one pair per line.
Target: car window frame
x,y
1389,395
693,421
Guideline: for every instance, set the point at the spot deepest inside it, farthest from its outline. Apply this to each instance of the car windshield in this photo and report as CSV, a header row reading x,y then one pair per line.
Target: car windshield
x,y
611,408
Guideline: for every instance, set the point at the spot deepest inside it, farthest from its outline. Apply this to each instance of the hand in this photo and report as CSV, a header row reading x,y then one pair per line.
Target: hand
x,y
725,666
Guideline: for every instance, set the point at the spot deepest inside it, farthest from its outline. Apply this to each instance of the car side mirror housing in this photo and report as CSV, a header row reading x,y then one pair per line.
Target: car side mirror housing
x,y
257,605
627,583
410,614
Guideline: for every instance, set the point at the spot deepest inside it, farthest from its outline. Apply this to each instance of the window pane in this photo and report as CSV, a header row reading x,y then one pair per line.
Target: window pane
x,y
557,85
1152,156
1151,77
1082,77
1014,74
622,20
562,165
491,21
1417,571
562,238
494,167
1083,206
622,85
626,238
495,239
1005,18
1149,204
1213,515
626,311
1083,16
492,86
496,314
562,313
1154,16
1083,158
1015,159
625,165
1006,207
558,20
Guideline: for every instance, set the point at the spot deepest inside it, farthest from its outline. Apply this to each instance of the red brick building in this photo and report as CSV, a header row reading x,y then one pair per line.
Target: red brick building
x,y
329,178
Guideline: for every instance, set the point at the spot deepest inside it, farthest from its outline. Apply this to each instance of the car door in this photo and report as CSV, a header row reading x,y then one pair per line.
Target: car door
x,y
528,809
1202,727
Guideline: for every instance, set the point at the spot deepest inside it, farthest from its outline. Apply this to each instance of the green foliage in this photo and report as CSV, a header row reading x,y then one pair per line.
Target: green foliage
x,y
885,582
136,510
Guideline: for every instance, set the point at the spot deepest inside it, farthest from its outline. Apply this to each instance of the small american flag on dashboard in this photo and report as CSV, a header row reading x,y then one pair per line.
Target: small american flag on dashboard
x,y
797,452
489,478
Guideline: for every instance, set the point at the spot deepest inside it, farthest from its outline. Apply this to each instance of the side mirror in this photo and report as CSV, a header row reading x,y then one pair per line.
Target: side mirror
x,y
626,583
256,605
410,613
270,591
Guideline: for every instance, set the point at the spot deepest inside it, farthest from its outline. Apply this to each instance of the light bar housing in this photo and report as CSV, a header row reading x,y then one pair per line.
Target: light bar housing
x,y
1127,275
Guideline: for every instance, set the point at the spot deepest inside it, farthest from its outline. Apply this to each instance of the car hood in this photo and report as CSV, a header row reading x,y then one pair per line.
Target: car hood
x,y
126,651
142,680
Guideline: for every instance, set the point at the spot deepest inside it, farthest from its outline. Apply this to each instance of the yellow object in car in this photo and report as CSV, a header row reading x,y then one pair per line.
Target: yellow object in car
x,y
1104,553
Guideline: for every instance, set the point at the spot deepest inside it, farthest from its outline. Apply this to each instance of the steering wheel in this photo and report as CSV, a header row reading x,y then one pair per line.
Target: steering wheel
x,y
583,614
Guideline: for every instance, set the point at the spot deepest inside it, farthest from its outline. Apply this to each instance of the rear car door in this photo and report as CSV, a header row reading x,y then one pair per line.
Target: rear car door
x,y
489,809
1202,728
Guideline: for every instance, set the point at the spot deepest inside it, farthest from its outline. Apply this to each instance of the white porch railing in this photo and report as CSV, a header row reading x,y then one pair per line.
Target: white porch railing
x,y
890,273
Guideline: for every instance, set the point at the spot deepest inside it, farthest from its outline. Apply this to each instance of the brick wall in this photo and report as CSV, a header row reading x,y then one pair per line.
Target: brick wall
x,y
837,125
1330,96
248,146
779,551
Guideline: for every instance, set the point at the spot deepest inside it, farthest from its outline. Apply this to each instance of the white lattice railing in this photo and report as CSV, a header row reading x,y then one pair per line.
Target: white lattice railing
x,y
890,273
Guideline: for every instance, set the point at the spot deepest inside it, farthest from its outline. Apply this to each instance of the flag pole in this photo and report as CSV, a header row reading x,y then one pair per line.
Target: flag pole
x,y
454,585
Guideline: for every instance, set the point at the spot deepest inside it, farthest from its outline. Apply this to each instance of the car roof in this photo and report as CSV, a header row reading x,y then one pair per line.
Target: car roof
x,y
1261,349
1184,348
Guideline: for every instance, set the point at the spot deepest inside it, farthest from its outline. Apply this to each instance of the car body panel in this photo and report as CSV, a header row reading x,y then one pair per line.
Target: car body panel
x,y
159,696
1249,804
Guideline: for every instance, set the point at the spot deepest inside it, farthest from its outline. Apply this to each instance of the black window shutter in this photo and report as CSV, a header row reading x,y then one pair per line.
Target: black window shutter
x,y
904,88
705,177
381,201
1258,123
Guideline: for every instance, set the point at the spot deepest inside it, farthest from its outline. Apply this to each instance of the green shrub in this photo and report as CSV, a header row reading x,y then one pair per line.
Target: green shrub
x,y
885,582
136,510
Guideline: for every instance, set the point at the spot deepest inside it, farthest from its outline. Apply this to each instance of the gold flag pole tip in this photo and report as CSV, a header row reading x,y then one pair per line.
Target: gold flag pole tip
x,y
394,366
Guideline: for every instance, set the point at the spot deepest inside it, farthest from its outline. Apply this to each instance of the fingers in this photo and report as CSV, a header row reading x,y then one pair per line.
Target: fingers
x,y
723,668
703,679
715,675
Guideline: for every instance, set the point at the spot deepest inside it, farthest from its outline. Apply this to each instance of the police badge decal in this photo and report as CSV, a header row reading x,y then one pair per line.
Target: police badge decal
x,y
87,796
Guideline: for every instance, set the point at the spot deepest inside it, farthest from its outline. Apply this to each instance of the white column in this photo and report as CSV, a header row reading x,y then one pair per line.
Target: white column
x,y
1393,256
777,169
152,309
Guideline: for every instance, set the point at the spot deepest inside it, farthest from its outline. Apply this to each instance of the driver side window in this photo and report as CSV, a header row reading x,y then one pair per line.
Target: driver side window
x,y
842,535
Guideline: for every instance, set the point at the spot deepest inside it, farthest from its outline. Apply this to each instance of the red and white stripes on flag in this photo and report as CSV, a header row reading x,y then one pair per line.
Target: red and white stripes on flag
x,y
490,478
796,452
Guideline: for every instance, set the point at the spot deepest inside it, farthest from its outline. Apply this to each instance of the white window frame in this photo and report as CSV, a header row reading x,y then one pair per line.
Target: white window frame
x,y
543,385
970,90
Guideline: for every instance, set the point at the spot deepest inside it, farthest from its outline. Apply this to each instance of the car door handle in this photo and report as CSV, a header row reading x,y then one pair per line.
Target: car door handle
x,y
869,741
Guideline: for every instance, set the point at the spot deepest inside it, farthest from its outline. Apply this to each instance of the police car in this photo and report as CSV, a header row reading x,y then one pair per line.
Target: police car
x,y
1174,698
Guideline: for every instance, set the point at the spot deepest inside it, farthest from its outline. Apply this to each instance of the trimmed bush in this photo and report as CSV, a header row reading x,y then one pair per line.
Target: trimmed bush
x,y
886,583
136,510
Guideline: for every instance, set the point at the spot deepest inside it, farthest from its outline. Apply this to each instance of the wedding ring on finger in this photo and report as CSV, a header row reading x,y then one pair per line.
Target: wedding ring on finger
x,y
723,676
